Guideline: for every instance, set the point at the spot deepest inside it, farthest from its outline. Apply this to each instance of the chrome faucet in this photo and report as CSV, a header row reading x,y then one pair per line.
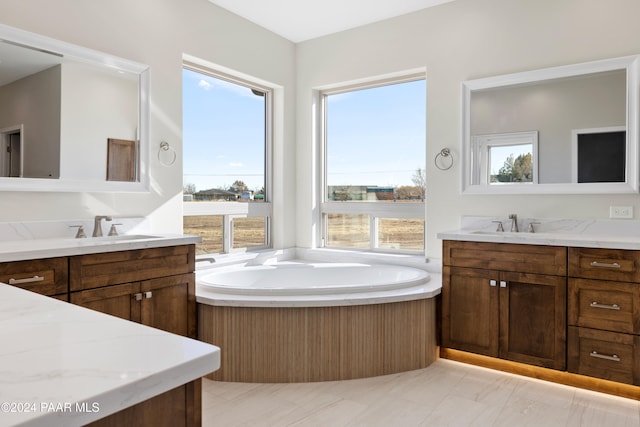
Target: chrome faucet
x,y
514,222
97,226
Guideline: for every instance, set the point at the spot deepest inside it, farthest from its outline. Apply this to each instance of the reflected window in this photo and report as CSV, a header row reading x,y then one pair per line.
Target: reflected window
x,y
509,158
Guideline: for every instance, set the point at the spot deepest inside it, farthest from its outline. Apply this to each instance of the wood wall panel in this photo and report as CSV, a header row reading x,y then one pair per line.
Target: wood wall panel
x,y
319,343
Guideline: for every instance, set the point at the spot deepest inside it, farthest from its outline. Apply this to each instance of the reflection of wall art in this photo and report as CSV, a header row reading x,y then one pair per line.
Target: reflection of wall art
x,y
599,155
121,160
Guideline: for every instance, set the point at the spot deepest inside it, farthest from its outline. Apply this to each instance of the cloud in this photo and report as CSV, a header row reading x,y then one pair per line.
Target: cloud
x,y
205,85
211,83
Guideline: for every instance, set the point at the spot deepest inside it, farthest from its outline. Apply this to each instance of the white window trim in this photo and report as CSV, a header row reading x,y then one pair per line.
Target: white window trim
x,y
374,209
481,145
230,210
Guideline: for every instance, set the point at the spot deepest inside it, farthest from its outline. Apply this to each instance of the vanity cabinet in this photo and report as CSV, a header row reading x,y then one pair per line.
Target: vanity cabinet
x,y
171,408
506,301
44,276
604,314
155,287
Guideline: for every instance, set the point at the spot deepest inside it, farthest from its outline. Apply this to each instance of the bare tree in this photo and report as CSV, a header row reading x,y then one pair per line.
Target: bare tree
x,y
419,179
189,188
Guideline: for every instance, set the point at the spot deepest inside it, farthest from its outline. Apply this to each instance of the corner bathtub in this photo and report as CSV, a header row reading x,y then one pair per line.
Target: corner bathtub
x,y
299,321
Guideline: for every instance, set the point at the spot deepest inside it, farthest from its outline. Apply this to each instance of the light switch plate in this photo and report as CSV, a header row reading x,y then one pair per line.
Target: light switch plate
x,y
621,212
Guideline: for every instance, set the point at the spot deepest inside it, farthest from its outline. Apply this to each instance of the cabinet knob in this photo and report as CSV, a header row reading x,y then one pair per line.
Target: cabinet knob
x,y
492,283
148,294
138,296
503,284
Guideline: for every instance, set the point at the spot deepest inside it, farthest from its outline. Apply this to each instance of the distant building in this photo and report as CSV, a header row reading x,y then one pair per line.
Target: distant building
x,y
215,194
344,193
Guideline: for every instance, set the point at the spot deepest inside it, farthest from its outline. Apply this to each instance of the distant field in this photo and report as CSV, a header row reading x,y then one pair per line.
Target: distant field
x,y
350,231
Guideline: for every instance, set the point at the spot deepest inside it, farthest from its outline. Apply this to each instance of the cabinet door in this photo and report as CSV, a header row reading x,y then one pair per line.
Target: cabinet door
x,y
470,310
169,304
117,300
533,319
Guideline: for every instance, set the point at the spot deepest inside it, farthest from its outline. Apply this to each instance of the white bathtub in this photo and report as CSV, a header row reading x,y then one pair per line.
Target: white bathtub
x,y
300,283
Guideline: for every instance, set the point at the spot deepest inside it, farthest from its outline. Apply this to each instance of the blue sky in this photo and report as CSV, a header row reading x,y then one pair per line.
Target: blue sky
x,y
375,136
223,133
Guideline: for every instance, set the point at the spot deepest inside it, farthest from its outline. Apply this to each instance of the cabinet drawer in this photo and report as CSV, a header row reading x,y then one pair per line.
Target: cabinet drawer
x,y
43,276
506,257
96,270
601,354
607,264
600,304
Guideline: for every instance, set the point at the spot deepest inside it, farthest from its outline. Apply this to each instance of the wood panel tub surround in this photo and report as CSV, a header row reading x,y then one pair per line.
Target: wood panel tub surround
x,y
304,344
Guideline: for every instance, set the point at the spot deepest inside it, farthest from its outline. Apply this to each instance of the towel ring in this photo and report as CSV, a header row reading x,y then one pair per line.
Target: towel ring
x,y
444,153
170,155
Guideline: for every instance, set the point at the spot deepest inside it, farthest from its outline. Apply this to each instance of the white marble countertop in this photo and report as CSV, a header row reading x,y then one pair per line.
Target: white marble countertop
x,y
64,365
546,239
27,249
607,234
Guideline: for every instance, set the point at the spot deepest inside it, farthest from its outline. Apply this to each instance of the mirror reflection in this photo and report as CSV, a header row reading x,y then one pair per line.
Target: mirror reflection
x,y
68,114
563,129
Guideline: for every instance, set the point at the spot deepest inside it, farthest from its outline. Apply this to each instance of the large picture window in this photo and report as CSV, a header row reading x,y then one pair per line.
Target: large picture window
x,y
374,166
226,137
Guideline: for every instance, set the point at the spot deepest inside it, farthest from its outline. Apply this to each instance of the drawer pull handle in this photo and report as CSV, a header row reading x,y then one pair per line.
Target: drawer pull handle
x,y
613,358
27,280
596,304
604,264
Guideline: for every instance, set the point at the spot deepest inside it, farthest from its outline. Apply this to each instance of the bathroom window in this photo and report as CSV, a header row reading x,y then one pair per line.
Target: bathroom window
x,y
226,150
374,165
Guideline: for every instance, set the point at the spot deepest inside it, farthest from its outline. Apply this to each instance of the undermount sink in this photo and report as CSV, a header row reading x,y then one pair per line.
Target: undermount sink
x,y
127,237
521,234
119,238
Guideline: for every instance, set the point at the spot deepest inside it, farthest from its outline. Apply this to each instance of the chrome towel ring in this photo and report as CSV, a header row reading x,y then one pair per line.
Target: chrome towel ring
x,y
440,160
166,154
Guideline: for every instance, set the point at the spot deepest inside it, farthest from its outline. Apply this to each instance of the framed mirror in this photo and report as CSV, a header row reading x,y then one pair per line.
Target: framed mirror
x,y
563,130
60,105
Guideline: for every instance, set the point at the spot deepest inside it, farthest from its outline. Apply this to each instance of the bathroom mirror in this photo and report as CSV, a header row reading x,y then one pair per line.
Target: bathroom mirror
x,y
60,105
564,130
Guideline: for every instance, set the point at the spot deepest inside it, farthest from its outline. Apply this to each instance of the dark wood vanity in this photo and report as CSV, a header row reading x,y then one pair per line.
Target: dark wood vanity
x,y
564,314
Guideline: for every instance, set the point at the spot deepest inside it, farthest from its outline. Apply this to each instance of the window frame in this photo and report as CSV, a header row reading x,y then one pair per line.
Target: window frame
x,y
375,210
482,145
231,210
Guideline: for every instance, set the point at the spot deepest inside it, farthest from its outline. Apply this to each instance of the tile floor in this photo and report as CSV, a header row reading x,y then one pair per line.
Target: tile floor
x,y
446,393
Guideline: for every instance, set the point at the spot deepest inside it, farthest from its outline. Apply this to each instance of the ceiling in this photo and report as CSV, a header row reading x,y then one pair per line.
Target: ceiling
x,y
300,20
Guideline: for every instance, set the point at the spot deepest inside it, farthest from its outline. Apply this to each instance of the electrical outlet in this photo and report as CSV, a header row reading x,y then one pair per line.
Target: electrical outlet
x,y
624,212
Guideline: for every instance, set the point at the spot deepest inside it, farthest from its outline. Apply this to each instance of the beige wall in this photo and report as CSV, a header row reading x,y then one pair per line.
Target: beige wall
x,y
158,33
34,103
462,40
